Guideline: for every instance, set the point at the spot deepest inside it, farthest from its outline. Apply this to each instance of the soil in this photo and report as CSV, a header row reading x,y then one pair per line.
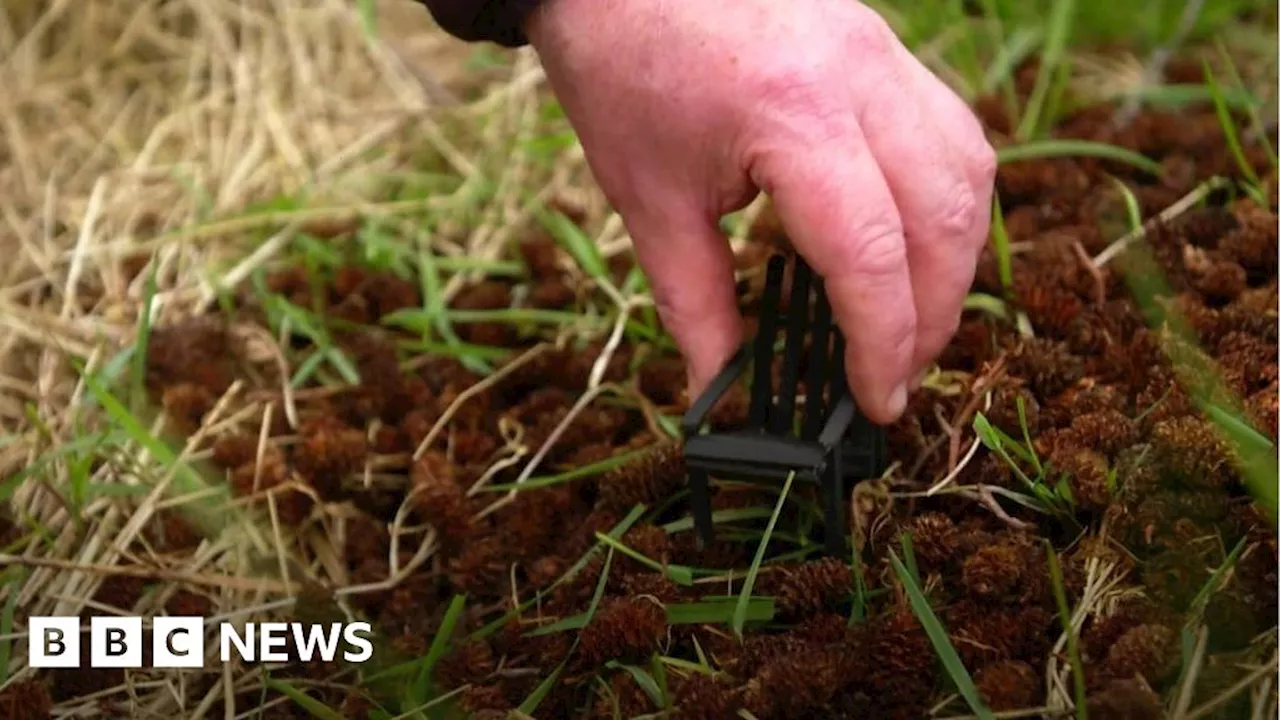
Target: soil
x,y
1154,490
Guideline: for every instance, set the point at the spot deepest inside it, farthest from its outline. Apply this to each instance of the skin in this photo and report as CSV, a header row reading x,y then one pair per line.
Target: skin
x,y
882,176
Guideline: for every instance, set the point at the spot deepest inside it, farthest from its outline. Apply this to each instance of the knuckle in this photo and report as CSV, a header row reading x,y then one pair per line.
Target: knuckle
x,y
958,213
800,103
872,36
878,251
985,163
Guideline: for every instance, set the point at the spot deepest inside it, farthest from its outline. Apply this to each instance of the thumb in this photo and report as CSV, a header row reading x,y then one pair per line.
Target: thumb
x,y
690,269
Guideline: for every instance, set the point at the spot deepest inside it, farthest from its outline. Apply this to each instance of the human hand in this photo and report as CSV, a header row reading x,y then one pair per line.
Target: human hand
x,y
880,174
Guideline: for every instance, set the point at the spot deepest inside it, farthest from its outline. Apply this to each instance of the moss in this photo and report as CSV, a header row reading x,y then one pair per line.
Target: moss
x,y
554,294
993,570
330,451
1149,651
1087,471
441,501
1009,685
481,566
186,404
1126,699
625,698
984,634
649,479
1106,431
933,540
1048,366
268,476
802,589
622,629
701,697
1194,452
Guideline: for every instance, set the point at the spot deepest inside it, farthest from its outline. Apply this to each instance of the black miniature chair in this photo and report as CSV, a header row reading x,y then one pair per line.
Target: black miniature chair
x,y
834,442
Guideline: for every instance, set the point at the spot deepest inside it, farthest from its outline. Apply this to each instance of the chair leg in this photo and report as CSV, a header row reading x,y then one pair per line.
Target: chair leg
x,y
700,499
833,502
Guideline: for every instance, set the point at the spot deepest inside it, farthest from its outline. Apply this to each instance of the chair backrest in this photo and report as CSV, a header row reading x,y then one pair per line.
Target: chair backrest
x,y
808,315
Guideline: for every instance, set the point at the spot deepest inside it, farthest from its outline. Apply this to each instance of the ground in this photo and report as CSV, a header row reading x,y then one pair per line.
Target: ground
x,y
384,355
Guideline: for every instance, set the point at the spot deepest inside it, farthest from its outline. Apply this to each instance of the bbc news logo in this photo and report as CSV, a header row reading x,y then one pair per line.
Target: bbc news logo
x,y
178,642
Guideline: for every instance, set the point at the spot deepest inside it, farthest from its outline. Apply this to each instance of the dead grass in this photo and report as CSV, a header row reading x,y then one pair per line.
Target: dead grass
x,y
181,137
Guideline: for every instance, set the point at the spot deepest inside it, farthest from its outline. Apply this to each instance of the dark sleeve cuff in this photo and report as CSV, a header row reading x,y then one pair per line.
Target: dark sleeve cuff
x,y
496,21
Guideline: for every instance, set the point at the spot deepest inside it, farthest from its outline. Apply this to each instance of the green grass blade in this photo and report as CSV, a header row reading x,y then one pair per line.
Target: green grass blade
x,y
186,480
708,611
644,679
1026,436
87,443
720,516
941,642
439,644
594,468
660,675
1017,48
1056,35
909,556
860,595
999,443
1075,148
368,17
1000,244
475,357
991,305
1073,642
1132,207
576,242
719,611
433,307
16,576
573,622
1211,585
1256,453
306,370
968,62
1250,105
144,337
1229,131
313,706
505,268
1005,78
679,574
740,612
616,531
540,693
1177,95
416,320
636,281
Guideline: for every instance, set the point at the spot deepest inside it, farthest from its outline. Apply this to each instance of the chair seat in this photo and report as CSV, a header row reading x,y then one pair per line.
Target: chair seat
x,y
754,447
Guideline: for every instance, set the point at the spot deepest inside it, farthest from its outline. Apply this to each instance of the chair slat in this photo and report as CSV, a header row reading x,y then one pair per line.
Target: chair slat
x,y
762,382
815,384
782,420
839,379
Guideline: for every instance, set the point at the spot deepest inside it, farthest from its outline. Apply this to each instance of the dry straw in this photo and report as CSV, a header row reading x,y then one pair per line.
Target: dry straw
x,y
142,131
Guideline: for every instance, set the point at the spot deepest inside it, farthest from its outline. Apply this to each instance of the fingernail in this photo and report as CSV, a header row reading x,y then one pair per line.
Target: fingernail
x,y
898,401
